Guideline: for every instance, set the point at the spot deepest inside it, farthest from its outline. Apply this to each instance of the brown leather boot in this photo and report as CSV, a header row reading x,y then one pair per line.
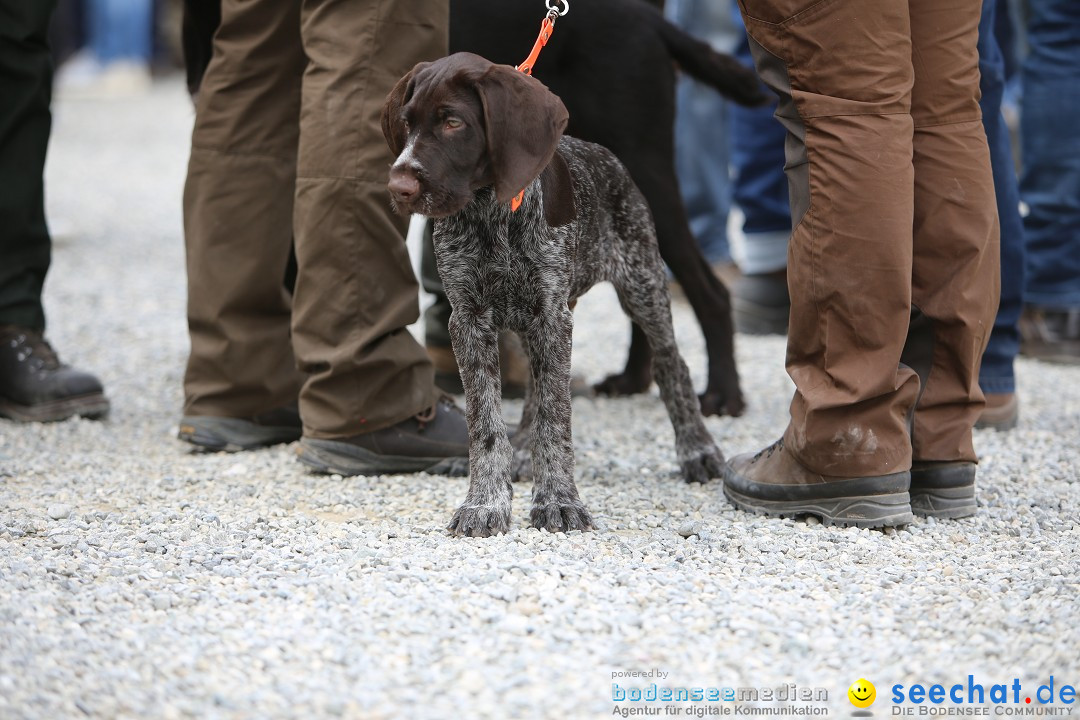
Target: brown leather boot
x,y
1050,334
1002,412
773,482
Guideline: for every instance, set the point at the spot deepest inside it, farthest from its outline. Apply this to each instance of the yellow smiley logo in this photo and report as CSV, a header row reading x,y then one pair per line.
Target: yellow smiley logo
x,y
862,693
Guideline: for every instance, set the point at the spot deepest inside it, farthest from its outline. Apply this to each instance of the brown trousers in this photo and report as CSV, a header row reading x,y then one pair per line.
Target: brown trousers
x,y
288,143
893,206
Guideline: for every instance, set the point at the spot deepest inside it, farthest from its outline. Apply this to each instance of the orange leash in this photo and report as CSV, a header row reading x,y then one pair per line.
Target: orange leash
x,y
547,26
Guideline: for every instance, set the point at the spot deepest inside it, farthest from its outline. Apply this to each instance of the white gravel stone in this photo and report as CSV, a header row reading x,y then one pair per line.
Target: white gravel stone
x,y
139,579
59,512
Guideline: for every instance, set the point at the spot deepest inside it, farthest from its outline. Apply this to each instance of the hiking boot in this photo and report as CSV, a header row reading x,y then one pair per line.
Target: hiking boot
x,y
1001,413
943,489
228,434
1050,335
513,370
772,482
760,304
435,441
36,387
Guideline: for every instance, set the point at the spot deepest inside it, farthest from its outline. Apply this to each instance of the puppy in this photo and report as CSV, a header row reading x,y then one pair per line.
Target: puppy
x,y
469,135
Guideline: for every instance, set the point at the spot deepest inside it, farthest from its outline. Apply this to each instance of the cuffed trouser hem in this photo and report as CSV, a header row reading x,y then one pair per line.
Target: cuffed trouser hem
x,y
998,385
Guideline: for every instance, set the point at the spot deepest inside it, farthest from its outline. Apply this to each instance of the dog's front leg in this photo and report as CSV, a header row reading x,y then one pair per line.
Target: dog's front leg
x,y
556,505
486,510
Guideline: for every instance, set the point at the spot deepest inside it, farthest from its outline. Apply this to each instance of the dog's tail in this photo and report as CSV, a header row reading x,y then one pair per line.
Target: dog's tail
x,y
698,60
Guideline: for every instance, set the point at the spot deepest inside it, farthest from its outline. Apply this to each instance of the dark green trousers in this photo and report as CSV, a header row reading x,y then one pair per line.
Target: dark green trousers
x,y
25,121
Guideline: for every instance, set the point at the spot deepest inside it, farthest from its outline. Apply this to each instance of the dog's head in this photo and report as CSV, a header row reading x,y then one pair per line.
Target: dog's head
x,y
462,123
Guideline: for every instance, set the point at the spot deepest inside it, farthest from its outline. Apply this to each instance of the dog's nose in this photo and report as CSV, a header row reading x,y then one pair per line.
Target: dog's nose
x,y
403,184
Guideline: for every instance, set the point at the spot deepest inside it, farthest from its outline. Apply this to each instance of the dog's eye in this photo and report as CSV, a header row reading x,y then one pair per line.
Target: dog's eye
x,y
453,123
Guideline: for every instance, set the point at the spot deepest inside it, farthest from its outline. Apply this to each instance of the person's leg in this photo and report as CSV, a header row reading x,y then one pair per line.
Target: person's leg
x,y
1050,182
238,223
996,376
760,302
846,453
955,274
25,122
701,134
122,30
355,291
34,384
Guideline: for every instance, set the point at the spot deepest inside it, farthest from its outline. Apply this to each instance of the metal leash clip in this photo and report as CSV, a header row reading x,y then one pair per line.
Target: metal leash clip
x,y
554,11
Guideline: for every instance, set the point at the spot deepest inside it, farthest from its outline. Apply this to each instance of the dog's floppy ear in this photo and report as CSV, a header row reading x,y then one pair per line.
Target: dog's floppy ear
x,y
393,127
558,188
524,123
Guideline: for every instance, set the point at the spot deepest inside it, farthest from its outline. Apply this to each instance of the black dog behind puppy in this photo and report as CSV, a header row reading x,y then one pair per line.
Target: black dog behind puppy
x,y
469,135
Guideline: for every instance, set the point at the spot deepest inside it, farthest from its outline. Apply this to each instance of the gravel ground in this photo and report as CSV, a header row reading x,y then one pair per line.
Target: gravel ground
x,y
138,579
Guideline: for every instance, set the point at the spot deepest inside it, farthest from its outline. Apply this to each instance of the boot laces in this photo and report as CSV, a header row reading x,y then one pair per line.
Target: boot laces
x,y
31,344
768,452
426,416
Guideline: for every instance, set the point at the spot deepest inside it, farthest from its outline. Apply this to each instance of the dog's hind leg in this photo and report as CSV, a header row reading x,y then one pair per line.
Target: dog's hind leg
x,y
555,502
486,510
636,377
644,297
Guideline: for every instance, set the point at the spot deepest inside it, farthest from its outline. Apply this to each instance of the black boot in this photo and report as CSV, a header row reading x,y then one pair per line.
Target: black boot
x,y
36,387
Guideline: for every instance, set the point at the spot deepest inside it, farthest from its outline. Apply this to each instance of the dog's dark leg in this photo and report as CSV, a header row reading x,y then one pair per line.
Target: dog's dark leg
x,y
645,299
707,295
486,510
636,377
555,502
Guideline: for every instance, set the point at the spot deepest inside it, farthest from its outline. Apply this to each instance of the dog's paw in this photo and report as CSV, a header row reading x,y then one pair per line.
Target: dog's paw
x,y
561,517
480,521
622,384
703,467
720,404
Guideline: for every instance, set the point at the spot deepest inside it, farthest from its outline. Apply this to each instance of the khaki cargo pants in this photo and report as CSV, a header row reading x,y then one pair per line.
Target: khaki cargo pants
x,y
288,143
893,206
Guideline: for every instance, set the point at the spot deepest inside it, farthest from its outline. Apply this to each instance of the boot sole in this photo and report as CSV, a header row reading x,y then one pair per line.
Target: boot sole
x,y
875,511
945,490
92,407
334,458
946,503
221,434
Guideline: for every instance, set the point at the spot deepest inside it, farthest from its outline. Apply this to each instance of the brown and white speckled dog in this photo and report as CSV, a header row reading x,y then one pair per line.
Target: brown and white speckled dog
x,y
469,135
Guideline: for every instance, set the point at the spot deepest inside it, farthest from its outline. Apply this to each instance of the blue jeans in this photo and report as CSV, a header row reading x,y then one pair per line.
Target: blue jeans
x,y
996,374
121,30
1050,139
760,188
701,136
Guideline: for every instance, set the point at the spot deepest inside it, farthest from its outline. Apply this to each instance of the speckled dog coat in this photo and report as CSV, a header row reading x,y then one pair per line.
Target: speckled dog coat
x,y
469,135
